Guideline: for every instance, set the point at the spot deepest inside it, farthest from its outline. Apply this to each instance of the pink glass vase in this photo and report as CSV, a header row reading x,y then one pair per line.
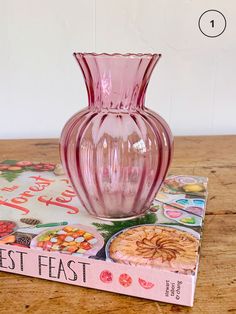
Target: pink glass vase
x,y
116,152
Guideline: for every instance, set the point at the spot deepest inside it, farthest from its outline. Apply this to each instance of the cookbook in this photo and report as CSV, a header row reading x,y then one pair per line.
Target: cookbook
x,y
46,233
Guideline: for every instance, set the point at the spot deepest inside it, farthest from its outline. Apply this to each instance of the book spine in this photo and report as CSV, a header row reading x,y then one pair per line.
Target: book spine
x,y
137,281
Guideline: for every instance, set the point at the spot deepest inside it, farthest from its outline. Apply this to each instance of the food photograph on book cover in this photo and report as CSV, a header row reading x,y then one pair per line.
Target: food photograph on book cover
x,y
40,211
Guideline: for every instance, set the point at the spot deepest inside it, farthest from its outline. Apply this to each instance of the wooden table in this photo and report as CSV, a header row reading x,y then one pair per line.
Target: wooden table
x,y
214,157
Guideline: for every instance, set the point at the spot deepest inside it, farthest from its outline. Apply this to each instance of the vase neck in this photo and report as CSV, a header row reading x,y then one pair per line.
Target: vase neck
x,y
116,81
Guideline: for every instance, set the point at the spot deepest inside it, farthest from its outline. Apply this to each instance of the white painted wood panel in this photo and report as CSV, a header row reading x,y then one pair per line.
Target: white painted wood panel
x,y
193,86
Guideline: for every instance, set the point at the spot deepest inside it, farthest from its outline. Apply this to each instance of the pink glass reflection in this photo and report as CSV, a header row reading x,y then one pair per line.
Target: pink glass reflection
x,y
116,152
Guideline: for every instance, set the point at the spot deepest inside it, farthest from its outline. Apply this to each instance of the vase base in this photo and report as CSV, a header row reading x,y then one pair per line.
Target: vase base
x,y
119,218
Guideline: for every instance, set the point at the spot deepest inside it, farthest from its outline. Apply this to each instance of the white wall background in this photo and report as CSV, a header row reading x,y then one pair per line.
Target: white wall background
x,y
193,86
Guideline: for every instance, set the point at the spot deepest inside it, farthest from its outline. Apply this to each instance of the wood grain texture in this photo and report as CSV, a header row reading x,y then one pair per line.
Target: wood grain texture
x,y
214,157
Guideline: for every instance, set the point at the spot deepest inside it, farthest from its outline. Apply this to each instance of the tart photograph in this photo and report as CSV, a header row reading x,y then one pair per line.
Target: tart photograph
x,y
157,246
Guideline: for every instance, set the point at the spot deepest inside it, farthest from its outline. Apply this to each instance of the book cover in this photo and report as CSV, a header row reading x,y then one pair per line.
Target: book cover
x,y
46,233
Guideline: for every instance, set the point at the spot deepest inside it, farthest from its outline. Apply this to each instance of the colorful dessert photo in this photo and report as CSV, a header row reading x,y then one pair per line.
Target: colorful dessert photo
x,y
155,246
